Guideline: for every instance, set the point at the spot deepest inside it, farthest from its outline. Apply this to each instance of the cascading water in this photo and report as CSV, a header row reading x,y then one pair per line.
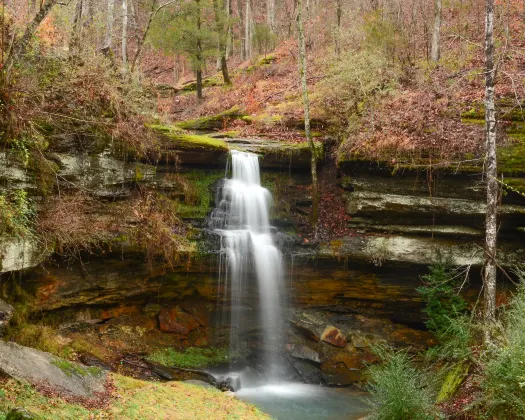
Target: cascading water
x,y
247,246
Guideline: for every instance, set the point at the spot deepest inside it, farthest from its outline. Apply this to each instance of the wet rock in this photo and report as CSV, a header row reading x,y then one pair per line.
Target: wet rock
x,y
333,336
6,313
308,323
37,367
344,368
303,352
308,372
163,371
91,360
174,320
233,383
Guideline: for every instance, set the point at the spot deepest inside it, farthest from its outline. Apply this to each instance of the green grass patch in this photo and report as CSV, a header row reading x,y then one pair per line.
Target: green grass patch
x,y
191,358
137,400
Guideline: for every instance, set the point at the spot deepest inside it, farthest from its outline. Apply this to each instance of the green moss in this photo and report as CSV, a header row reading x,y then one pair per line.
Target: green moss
x,y
261,62
195,141
514,184
212,122
160,128
191,358
511,159
452,381
508,110
207,82
196,187
70,368
232,134
265,119
292,149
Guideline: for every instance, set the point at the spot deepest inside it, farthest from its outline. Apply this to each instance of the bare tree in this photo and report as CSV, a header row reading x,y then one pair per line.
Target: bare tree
x,y
306,102
199,55
124,35
270,14
248,30
436,32
108,41
222,34
77,27
155,8
489,273
20,47
338,15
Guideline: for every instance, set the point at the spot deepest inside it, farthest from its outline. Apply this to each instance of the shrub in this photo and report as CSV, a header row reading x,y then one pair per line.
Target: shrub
x,y
354,81
447,312
398,389
504,375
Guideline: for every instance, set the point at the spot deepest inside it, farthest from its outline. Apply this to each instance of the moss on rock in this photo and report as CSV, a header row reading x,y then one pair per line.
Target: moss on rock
x,y
213,122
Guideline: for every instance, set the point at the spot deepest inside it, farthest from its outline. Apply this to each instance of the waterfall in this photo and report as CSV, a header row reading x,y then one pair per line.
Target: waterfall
x,y
247,248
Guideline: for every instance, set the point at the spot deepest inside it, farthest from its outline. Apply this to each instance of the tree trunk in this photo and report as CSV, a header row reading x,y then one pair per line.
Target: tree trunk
x,y
229,36
108,41
199,57
77,28
199,83
339,15
436,33
154,10
242,18
248,30
20,47
270,14
489,274
124,35
222,32
306,101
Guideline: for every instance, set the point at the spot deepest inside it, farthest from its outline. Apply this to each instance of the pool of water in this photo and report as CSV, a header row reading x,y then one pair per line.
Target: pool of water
x,y
292,401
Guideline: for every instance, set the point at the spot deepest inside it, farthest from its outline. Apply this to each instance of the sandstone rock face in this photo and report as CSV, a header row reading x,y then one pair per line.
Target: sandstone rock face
x,y
303,352
40,368
19,254
333,336
174,320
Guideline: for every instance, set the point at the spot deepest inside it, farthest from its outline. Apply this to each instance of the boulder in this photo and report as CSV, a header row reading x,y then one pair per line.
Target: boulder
x,y
174,320
6,313
198,309
333,336
44,369
308,372
299,351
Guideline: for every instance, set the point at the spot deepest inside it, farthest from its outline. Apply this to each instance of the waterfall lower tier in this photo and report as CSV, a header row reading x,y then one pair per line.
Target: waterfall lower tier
x,y
247,246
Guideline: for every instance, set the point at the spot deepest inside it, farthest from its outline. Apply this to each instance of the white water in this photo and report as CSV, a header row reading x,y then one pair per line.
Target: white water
x,y
247,246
